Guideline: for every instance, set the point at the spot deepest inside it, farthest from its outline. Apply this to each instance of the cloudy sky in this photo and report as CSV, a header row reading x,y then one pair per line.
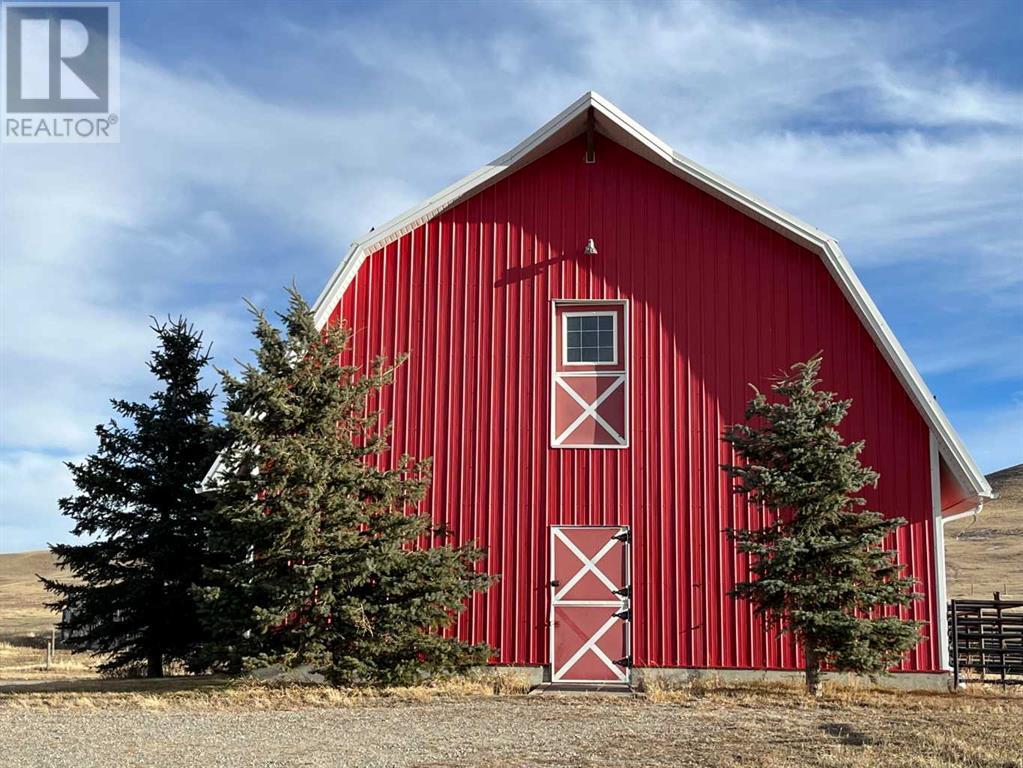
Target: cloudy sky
x,y
259,139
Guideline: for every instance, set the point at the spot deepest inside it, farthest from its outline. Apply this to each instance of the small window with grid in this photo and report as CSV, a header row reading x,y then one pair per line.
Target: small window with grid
x,y
590,338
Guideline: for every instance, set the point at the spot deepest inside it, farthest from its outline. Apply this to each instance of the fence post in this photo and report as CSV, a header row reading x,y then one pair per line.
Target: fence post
x,y
1001,634
954,624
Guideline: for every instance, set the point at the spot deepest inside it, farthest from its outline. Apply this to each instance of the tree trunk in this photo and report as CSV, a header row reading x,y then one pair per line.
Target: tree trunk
x,y
154,665
814,686
157,617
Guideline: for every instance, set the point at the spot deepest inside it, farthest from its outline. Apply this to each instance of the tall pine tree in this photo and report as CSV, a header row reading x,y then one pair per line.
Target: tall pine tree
x,y
819,567
327,565
138,504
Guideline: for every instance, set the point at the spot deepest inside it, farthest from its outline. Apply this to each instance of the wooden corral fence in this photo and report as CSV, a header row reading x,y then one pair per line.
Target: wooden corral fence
x,y
986,640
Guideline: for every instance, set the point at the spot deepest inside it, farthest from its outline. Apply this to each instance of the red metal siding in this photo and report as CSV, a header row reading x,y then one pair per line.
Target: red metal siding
x,y
715,301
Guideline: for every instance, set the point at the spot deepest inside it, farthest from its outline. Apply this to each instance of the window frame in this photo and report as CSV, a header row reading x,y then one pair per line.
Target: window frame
x,y
560,371
614,337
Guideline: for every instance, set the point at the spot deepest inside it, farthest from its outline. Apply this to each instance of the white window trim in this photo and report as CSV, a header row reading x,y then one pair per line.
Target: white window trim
x,y
623,372
597,313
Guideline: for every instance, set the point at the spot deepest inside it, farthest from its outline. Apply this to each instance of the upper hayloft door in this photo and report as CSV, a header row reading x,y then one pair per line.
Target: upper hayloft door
x,y
589,374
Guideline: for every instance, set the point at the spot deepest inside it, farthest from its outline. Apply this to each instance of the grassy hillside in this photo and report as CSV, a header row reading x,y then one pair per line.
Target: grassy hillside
x,y
25,622
23,615
985,554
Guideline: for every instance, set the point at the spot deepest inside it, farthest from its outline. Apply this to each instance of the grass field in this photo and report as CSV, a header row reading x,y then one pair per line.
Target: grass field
x,y
24,619
985,554
26,623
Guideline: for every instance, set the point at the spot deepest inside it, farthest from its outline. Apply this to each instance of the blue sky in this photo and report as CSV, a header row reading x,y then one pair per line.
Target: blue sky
x,y
258,139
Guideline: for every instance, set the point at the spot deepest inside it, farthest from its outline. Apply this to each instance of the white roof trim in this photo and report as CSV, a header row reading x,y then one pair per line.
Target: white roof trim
x,y
619,126
212,477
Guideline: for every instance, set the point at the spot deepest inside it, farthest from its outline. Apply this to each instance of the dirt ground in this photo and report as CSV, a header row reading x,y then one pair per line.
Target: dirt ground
x,y
319,727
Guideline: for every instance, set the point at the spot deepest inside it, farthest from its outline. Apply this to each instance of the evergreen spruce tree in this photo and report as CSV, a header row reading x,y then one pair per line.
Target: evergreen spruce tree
x,y
818,568
137,502
325,571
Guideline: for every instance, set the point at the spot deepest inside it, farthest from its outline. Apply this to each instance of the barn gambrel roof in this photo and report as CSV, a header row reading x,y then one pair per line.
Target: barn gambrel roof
x,y
619,127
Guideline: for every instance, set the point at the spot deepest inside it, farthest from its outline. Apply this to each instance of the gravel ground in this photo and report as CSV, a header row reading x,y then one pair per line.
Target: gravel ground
x,y
503,732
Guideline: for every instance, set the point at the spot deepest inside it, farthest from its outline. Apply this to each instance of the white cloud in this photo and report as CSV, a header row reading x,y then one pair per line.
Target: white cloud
x,y
30,485
880,191
947,99
995,436
981,354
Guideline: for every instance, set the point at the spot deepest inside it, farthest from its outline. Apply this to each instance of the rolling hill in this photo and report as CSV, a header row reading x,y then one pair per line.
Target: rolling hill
x,y
985,554
23,616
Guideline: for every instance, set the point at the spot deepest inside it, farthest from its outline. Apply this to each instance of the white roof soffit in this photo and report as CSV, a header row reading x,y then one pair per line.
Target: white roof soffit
x,y
622,129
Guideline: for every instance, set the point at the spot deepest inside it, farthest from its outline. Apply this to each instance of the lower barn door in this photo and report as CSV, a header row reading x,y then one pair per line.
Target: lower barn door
x,y
590,604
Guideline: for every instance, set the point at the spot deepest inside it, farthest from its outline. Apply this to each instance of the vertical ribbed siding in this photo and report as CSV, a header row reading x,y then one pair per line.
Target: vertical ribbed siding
x,y
716,301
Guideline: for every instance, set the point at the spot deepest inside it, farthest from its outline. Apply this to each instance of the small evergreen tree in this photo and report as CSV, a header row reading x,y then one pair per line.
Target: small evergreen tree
x,y
137,499
819,568
323,569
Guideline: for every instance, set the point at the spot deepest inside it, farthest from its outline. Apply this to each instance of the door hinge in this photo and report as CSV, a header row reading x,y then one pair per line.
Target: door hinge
x,y
624,536
623,592
626,662
624,615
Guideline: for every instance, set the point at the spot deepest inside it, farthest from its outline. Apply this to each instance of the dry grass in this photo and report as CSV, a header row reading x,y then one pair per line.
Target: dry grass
x,y
219,693
26,623
985,554
982,726
660,691
24,619
27,662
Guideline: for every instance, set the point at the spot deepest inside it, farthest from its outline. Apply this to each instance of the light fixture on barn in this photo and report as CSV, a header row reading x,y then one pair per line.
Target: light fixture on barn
x,y
591,248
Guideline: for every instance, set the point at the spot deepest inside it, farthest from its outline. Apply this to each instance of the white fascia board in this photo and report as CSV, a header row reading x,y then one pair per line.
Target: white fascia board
x,y
212,478
949,442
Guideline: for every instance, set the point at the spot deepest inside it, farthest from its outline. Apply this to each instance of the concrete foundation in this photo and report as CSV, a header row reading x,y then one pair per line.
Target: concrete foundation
x,y
935,682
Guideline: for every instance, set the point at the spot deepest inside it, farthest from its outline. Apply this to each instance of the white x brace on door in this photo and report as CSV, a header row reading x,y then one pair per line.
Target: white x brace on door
x,y
590,604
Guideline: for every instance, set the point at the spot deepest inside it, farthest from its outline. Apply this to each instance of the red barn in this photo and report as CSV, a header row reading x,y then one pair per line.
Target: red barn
x,y
583,316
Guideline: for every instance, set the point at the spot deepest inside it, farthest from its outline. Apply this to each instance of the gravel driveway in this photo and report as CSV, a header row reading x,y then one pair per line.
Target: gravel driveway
x,y
458,733
503,732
